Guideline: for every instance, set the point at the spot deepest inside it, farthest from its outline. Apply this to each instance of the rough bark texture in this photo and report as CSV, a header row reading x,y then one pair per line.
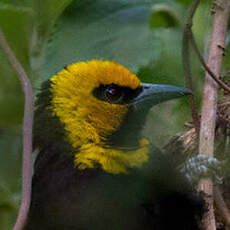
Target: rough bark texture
x,y
221,206
209,107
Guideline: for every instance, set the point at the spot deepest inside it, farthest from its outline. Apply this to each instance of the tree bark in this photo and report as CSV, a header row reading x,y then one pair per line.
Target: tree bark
x,y
209,106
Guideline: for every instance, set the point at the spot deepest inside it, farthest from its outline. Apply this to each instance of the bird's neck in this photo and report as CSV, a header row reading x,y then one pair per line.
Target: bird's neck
x,y
111,160
128,135
118,152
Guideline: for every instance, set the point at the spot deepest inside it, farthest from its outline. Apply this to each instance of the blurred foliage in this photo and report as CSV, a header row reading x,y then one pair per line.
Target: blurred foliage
x,y
19,39
10,171
143,35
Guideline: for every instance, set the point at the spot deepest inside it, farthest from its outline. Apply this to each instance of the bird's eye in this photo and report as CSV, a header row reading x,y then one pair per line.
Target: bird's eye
x,y
113,94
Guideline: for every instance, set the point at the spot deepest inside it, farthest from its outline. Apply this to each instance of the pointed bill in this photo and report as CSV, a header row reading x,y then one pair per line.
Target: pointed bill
x,y
153,94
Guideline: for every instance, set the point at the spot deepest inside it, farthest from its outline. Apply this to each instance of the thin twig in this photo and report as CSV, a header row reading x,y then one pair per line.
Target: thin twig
x,y
186,64
191,13
217,79
27,133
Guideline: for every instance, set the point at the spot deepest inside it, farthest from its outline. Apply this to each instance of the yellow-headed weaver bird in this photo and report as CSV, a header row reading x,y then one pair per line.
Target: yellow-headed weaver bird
x,y
94,171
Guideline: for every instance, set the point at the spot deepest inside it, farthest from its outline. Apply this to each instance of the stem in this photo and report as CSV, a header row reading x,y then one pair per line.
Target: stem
x,y
27,133
209,107
221,206
186,63
216,78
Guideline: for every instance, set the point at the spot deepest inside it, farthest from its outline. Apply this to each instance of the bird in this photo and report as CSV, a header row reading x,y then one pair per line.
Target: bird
x,y
94,170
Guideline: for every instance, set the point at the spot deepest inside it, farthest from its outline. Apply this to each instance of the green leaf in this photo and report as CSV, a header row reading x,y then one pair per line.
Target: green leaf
x,y
184,2
10,157
167,69
167,14
47,13
10,172
17,2
189,2
16,23
116,31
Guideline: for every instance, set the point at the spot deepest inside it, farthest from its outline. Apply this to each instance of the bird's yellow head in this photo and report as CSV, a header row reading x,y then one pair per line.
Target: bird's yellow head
x,y
100,107
87,118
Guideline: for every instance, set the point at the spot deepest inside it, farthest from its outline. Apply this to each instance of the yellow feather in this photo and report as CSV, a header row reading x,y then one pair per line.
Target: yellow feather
x,y
88,120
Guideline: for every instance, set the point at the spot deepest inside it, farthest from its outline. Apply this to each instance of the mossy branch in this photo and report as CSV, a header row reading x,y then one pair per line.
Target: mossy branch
x,y
27,133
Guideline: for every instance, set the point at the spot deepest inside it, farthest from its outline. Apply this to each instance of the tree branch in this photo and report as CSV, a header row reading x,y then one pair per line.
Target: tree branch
x,y
221,205
186,63
27,133
209,106
221,83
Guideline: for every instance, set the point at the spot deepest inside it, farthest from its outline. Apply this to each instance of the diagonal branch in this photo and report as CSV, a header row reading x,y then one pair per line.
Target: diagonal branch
x,y
27,133
220,82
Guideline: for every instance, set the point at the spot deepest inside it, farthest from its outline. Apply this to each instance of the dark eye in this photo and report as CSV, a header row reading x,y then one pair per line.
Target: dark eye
x,y
113,94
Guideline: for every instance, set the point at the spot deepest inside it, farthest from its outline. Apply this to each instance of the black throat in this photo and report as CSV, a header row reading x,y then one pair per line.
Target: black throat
x,y
129,133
